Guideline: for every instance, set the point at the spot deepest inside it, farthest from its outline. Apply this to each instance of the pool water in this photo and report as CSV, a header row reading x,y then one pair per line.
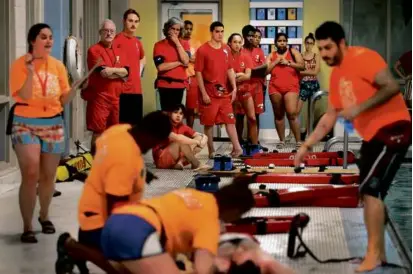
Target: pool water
x,y
399,203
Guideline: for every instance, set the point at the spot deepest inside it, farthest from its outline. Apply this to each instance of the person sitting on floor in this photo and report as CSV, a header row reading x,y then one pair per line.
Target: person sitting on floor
x,y
173,154
146,237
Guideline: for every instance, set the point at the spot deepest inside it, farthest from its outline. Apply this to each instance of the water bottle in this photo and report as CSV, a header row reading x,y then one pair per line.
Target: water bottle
x,y
348,125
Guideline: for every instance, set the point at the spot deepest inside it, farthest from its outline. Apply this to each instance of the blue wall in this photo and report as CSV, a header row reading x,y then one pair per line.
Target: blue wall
x,y
57,15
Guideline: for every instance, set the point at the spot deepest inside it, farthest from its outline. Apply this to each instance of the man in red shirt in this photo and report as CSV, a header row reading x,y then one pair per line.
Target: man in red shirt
x,y
362,90
131,104
213,69
192,91
257,81
171,57
105,84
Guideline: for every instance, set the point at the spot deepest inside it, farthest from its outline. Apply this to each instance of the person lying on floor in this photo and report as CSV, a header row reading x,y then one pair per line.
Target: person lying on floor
x,y
177,152
241,253
145,237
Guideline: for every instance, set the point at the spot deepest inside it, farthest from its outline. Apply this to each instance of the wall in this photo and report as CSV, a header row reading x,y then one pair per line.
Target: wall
x,y
149,31
312,18
235,15
57,15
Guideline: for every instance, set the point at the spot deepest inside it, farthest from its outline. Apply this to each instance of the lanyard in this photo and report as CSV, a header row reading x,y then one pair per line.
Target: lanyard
x,y
43,84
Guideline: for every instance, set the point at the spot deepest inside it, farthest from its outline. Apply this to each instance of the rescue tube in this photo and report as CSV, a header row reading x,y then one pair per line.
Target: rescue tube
x,y
351,157
75,167
320,196
300,178
72,58
261,225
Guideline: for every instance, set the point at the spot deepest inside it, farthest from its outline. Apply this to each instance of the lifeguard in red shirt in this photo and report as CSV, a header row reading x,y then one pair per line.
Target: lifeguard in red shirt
x,y
105,85
171,57
192,91
131,104
213,69
242,67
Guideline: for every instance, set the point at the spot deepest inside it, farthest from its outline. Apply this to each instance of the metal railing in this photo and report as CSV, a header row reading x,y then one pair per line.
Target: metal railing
x,y
345,140
311,104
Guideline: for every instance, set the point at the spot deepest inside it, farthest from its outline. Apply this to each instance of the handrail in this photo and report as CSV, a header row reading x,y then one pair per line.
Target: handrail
x,y
311,104
339,139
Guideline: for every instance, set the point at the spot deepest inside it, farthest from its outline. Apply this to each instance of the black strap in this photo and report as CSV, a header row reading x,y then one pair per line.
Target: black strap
x,y
301,253
163,238
11,116
292,55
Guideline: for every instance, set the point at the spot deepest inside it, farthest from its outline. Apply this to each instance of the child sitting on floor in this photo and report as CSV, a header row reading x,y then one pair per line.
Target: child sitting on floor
x,y
183,144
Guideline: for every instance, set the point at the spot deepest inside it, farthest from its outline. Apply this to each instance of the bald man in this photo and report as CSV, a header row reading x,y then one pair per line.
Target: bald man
x,y
106,83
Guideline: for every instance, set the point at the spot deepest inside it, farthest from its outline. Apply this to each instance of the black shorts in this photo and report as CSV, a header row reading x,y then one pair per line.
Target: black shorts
x,y
130,108
90,238
381,158
170,97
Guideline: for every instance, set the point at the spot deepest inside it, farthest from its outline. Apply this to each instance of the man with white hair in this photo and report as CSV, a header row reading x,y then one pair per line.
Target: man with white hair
x,y
171,58
105,84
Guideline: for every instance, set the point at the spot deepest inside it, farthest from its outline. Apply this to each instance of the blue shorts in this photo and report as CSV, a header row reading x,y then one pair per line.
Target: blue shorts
x,y
49,133
129,237
308,88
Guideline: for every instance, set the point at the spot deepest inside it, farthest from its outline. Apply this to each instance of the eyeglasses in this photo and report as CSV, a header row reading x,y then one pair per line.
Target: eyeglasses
x,y
110,31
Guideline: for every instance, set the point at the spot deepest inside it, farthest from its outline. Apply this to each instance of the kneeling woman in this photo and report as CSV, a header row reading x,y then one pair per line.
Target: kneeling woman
x,y
183,144
242,64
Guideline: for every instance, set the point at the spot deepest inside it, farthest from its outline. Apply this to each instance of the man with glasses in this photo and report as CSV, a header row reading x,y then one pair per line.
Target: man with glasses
x,y
105,84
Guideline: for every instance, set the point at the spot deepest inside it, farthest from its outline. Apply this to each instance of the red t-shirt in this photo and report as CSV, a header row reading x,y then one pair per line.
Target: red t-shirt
x,y
98,85
284,78
241,62
352,83
177,129
258,59
133,49
168,51
214,65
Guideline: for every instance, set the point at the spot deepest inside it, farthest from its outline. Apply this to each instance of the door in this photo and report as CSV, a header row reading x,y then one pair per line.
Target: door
x,y
201,15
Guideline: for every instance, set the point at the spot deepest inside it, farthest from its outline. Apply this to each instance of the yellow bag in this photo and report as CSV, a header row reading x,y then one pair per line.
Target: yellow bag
x,y
75,167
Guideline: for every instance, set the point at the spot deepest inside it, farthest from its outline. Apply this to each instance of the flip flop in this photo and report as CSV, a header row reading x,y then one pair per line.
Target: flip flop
x,y
28,237
47,227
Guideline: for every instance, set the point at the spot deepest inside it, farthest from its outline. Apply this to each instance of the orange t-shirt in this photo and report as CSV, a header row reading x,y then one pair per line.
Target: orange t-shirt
x,y
190,219
118,169
352,83
50,82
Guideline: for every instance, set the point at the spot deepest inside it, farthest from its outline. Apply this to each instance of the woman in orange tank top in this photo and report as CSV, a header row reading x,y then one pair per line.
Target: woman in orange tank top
x,y
284,66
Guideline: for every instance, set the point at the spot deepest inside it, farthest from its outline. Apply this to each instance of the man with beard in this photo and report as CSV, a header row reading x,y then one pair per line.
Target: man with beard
x,y
363,90
213,69
131,101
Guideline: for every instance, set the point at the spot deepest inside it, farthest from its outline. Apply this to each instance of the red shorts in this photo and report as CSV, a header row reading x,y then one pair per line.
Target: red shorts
x,y
192,94
272,89
165,160
219,111
257,95
101,113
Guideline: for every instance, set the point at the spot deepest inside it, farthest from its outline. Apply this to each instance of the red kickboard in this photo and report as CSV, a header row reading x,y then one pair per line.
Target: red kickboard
x,y
261,225
342,202
351,158
301,178
288,162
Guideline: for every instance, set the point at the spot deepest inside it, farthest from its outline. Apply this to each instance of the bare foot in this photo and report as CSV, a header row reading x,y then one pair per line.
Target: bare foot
x,y
369,263
202,168
179,166
236,153
211,155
